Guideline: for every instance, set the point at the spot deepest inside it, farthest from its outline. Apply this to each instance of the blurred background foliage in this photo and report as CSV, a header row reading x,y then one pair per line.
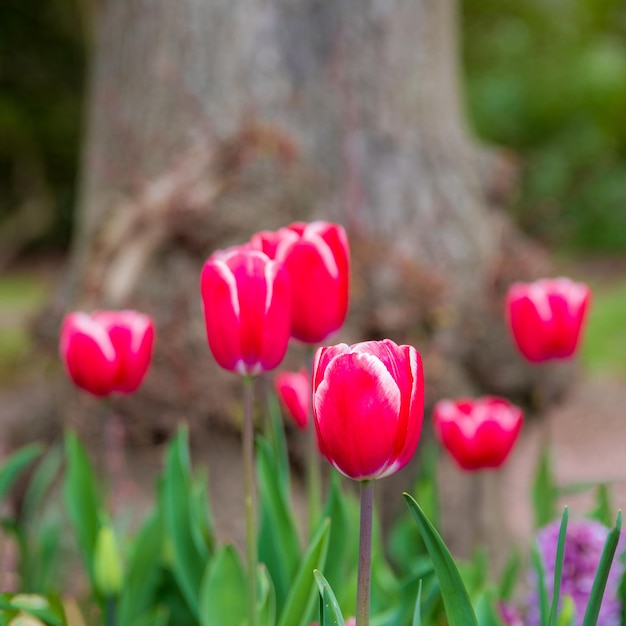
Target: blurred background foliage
x,y
42,79
547,78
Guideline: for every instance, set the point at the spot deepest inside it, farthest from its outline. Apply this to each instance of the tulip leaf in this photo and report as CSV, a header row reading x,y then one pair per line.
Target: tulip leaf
x,y
417,614
143,572
456,600
509,576
485,611
189,554
83,500
301,598
41,481
603,510
17,463
329,613
278,541
277,438
544,492
266,598
602,574
558,568
223,594
336,510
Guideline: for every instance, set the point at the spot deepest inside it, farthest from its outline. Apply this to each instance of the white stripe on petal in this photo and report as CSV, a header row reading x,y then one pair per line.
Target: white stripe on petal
x,y
85,324
229,278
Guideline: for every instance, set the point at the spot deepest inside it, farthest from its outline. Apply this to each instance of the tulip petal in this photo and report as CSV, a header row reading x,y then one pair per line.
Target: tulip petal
x,y
356,407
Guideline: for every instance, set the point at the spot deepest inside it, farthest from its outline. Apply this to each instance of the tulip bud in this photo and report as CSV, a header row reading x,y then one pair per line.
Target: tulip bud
x,y
477,433
317,258
246,301
107,351
546,317
107,564
294,392
368,405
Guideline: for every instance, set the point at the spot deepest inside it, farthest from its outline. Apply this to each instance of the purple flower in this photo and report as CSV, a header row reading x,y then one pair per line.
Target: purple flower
x,y
584,543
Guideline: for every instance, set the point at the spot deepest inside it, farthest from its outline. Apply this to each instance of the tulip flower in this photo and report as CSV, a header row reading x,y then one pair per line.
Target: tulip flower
x,y
294,392
368,404
317,258
546,317
477,433
107,351
247,303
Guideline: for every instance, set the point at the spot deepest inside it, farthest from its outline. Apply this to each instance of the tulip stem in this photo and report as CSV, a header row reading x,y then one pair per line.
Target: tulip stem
x,y
365,554
248,469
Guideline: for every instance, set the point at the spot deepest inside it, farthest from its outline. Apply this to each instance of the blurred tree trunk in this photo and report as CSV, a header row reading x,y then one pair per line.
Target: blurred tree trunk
x,y
209,120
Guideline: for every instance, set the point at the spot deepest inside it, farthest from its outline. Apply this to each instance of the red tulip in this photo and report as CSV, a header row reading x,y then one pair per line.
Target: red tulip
x,y
477,433
107,351
247,303
317,258
294,391
368,406
546,317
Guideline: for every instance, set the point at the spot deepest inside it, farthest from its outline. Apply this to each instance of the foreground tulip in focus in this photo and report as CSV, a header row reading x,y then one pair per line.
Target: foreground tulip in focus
x,y
247,304
546,318
478,433
107,351
317,258
368,404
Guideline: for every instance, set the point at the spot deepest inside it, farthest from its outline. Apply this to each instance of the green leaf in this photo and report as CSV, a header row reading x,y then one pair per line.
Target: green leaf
x,y
17,463
510,574
329,613
203,526
143,572
40,483
301,598
603,511
456,600
541,585
277,437
266,600
189,556
485,612
545,492
417,614
602,574
336,510
558,568
278,543
223,595
83,500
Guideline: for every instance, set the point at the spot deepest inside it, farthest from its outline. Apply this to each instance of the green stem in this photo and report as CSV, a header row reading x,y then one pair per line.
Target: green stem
x,y
248,469
365,554
110,610
314,478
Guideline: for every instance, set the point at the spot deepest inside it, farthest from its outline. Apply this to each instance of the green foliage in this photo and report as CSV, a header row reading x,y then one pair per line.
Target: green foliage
x,y
605,338
548,79
44,55
459,609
